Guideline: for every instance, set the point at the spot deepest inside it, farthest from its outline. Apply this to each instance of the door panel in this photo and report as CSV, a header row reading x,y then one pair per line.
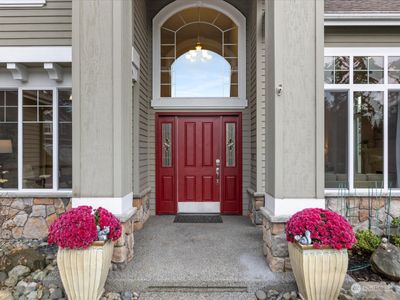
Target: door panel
x,y
186,154
199,140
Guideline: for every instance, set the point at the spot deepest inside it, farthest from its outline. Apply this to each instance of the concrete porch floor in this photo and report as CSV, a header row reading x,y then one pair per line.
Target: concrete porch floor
x,y
198,258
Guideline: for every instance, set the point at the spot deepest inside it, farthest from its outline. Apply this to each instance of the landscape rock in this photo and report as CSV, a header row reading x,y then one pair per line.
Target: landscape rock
x,y
127,295
261,295
11,281
386,261
19,271
272,293
3,276
6,295
56,293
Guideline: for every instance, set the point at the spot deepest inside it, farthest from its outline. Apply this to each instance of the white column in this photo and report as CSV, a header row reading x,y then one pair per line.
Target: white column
x,y
102,110
294,106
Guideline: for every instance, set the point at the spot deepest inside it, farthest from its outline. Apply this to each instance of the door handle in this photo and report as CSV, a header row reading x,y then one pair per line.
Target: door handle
x,y
217,169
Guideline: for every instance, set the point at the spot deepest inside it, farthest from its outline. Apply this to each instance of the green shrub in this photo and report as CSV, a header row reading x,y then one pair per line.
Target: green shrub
x,y
396,240
367,241
396,221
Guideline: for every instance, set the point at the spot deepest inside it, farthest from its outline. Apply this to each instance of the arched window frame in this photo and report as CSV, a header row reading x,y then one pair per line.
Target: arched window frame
x,y
239,102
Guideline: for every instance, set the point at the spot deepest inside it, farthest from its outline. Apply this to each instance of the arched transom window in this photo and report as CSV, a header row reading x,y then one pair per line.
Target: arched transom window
x,y
197,55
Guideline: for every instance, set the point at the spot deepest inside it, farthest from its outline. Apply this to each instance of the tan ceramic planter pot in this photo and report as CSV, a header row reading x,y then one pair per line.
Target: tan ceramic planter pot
x,y
84,272
319,273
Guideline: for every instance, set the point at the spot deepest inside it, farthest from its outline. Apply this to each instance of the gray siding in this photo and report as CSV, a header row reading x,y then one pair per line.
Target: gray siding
x,y
335,6
366,36
252,88
50,25
141,43
256,93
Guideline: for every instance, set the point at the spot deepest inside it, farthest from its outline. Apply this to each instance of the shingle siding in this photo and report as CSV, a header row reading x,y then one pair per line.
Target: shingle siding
x,y
337,6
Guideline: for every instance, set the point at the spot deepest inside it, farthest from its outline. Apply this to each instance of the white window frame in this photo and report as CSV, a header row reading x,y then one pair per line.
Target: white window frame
x,y
20,191
22,3
239,102
385,87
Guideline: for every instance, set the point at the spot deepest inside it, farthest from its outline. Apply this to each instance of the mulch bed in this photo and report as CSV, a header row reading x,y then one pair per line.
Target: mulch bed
x,y
360,268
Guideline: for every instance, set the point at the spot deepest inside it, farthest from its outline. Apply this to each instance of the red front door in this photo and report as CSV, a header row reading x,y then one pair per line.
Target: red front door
x,y
198,164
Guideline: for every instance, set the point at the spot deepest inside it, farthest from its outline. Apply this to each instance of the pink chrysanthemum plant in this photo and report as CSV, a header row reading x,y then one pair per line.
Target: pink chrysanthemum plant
x,y
320,228
79,227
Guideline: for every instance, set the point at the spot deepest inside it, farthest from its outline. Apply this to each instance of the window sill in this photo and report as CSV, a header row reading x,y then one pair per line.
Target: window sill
x,y
199,103
4,193
360,193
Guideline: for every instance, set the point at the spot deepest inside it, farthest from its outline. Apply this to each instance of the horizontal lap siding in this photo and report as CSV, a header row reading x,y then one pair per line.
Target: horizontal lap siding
x,y
362,36
49,25
256,93
142,45
252,89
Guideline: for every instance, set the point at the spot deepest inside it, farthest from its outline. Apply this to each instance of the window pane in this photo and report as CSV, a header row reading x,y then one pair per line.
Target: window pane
x,y
8,141
394,139
196,74
37,139
368,69
368,139
29,98
65,139
394,69
329,77
336,128
38,155
166,145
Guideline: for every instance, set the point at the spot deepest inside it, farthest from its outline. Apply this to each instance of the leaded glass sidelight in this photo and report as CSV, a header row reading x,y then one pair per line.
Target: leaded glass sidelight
x,y
166,145
230,144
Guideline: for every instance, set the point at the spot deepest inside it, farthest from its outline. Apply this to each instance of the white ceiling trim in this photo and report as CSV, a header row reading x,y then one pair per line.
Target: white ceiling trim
x,y
22,3
35,54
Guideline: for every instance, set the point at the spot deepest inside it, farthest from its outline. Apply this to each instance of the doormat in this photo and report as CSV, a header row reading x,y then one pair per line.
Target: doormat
x,y
191,218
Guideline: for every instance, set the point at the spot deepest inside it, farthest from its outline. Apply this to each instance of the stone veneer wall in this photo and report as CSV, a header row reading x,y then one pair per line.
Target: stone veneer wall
x,y
360,207
29,217
142,203
274,237
256,202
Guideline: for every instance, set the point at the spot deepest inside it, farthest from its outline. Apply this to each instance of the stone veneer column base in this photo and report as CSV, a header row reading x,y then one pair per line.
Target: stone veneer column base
x,y
142,204
256,202
124,246
275,247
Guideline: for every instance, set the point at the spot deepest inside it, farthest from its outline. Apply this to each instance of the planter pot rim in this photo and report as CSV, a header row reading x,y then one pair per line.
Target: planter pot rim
x,y
94,244
311,247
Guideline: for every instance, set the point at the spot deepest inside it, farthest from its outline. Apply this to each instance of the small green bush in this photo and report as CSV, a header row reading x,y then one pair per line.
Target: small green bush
x,y
367,241
396,240
396,221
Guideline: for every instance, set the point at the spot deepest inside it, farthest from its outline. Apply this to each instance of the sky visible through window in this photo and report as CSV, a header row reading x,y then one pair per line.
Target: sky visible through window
x,y
201,78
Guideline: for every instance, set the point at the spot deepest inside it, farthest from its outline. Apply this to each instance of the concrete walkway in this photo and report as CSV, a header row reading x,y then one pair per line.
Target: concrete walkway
x,y
198,259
